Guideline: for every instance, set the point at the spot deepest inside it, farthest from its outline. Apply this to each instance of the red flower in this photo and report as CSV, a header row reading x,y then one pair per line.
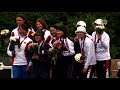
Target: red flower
x,y
58,44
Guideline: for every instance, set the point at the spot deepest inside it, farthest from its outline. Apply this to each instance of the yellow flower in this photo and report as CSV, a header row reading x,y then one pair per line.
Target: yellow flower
x,y
4,32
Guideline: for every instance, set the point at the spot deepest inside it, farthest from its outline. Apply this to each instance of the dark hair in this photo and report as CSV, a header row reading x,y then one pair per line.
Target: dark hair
x,y
24,18
54,26
42,21
39,32
25,26
64,29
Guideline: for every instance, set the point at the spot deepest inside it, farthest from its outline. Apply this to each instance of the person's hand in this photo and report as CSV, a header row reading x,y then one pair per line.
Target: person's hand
x,y
35,57
29,68
76,38
99,36
84,70
30,45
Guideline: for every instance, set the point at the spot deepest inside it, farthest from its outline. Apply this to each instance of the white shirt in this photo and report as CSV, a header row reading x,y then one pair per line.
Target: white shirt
x,y
46,33
70,47
102,48
20,56
15,31
89,52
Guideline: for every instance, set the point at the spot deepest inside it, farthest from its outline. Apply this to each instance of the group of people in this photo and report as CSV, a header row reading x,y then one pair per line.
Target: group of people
x,y
31,59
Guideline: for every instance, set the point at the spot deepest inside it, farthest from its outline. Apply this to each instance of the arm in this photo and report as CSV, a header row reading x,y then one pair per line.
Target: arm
x,y
71,47
10,53
89,53
105,42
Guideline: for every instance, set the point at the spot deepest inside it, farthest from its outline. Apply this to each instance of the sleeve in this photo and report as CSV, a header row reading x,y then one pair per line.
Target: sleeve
x,y
89,52
105,41
71,47
28,53
8,51
47,33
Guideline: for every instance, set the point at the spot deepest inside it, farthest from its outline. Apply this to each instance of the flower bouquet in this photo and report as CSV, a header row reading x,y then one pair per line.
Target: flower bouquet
x,y
79,57
14,40
52,52
100,28
57,44
34,48
4,32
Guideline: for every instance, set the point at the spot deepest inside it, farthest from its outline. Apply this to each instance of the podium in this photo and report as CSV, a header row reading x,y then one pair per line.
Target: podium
x,y
5,68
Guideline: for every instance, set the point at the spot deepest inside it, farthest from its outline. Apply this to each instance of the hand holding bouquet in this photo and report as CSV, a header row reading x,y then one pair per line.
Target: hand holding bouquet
x,y
14,40
33,47
52,53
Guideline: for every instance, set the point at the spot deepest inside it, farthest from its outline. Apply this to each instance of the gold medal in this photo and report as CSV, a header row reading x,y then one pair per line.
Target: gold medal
x,y
18,50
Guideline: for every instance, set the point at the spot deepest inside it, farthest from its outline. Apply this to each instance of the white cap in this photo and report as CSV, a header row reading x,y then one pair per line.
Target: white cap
x,y
118,65
81,29
81,23
98,21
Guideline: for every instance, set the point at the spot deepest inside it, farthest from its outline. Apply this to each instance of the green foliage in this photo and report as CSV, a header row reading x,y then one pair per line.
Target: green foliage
x,y
7,20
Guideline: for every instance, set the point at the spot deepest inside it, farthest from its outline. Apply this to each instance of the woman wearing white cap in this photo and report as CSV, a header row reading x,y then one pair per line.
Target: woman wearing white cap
x,y
88,59
102,44
79,23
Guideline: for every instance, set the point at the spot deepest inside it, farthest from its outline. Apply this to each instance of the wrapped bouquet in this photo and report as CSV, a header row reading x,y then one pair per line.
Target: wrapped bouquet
x,y
14,40
79,57
52,52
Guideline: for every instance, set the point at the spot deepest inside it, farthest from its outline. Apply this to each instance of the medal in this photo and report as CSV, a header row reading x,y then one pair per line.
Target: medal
x,y
18,50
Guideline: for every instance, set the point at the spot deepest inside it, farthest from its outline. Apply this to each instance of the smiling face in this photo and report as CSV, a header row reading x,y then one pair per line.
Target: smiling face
x,y
53,31
38,38
19,21
60,33
39,25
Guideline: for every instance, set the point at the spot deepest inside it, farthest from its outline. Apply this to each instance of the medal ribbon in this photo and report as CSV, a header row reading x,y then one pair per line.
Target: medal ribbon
x,y
19,45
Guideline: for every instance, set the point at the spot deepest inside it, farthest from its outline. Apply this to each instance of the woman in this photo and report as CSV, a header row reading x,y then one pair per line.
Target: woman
x,y
50,40
102,45
20,19
41,63
85,46
65,62
20,54
41,25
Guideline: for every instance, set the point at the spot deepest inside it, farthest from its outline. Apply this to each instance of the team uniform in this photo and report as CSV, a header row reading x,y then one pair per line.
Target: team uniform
x,y
21,59
102,55
65,64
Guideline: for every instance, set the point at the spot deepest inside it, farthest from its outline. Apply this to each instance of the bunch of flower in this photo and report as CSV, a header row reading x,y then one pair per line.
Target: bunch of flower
x,y
102,25
79,57
57,44
52,52
4,32
34,48
14,40
104,22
